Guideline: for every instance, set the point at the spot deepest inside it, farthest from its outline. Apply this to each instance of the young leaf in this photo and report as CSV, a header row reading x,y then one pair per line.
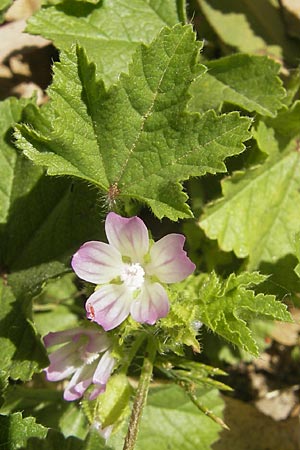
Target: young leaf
x,y
15,431
257,216
111,408
225,306
249,82
138,140
109,31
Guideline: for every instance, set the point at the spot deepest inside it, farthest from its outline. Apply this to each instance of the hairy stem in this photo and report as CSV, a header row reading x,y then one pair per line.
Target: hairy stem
x,y
141,396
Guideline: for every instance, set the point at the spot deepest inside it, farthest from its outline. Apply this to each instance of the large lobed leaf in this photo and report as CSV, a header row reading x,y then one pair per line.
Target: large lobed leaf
x,y
226,307
257,216
109,31
134,140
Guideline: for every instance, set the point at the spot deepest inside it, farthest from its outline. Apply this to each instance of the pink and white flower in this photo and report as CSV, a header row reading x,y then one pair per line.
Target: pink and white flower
x,y
130,271
85,355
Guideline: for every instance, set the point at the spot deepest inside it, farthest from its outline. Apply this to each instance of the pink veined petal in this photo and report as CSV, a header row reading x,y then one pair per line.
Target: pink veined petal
x,y
98,343
79,383
151,304
63,362
129,236
102,374
59,337
104,368
97,262
169,262
109,305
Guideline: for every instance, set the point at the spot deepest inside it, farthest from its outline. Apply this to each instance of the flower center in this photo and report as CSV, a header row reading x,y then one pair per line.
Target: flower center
x,y
88,357
132,276
84,355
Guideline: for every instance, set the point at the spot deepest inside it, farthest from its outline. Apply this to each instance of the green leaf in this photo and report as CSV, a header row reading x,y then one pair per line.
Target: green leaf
x,y
10,113
59,209
21,349
109,31
55,308
254,26
249,82
55,440
111,408
171,421
4,5
226,307
297,245
41,223
48,407
3,385
15,431
57,2
257,216
194,373
139,142
283,281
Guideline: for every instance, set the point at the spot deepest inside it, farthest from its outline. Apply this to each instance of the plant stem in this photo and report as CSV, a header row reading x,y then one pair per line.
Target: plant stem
x,y
136,345
203,408
141,396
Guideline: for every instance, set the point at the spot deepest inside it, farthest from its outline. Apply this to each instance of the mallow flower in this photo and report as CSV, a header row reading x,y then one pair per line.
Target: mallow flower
x,y
85,354
130,272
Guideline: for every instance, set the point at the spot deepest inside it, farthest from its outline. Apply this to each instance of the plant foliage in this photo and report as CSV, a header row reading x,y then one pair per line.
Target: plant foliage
x,y
202,138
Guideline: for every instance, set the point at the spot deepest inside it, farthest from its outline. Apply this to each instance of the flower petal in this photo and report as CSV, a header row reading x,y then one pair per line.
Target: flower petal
x,y
59,337
79,383
109,305
63,362
102,374
169,262
97,262
104,368
99,389
129,236
151,304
